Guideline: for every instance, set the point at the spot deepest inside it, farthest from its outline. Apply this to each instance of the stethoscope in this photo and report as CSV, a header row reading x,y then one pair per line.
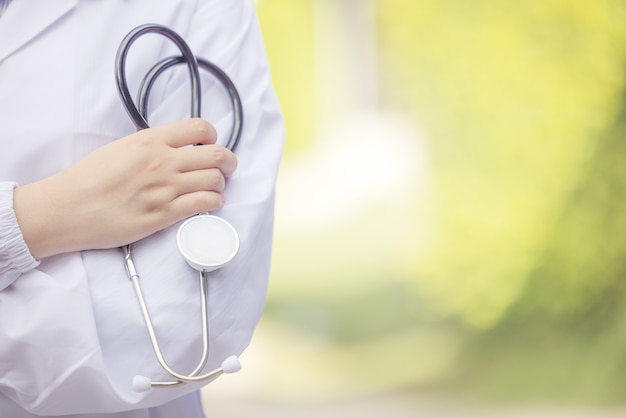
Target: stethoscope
x,y
205,241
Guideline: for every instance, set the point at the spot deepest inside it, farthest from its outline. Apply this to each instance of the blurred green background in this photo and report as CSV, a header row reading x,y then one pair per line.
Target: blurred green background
x,y
451,208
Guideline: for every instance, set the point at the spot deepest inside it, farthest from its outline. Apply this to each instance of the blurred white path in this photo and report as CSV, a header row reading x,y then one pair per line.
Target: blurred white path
x,y
400,405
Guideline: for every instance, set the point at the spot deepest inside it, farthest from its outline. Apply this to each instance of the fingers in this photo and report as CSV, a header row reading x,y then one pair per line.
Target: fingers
x,y
199,191
196,131
194,176
211,180
184,132
206,157
191,204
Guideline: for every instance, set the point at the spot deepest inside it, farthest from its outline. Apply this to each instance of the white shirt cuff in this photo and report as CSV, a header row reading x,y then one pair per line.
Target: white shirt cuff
x,y
15,257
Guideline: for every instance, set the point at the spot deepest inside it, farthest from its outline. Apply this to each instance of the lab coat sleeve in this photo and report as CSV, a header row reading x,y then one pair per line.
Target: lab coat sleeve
x,y
15,258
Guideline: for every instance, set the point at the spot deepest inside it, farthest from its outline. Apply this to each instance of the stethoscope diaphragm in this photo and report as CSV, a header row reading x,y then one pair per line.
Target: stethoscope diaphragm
x,y
207,242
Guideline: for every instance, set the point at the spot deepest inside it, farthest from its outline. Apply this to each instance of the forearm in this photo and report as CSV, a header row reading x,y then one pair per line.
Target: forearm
x,y
156,182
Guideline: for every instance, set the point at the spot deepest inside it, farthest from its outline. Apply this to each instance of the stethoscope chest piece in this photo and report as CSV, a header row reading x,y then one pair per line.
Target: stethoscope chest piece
x,y
207,242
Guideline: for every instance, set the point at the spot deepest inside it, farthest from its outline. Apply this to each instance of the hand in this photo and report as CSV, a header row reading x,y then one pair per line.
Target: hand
x,y
126,190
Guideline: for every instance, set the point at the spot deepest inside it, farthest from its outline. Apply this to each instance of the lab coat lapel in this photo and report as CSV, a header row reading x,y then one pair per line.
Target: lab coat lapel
x,y
24,20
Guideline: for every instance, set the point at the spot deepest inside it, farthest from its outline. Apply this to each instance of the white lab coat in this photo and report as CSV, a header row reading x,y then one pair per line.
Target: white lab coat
x,y
71,333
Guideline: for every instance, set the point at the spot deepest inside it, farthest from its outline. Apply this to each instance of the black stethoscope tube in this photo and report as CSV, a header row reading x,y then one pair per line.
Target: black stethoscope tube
x,y
138,114
233,94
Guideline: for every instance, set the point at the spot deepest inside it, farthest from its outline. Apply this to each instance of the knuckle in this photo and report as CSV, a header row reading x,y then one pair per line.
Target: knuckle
x,y
154,203
216,180
218,156
208,201
203,129
154,167
198,124
144,139
234,162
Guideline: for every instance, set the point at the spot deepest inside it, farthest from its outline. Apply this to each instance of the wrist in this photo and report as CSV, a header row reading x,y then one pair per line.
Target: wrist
x,y
37,218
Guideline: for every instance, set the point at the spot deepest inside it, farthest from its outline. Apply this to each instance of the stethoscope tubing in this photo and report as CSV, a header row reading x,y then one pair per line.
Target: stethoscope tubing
x,y
193,376
235,101
136,116
137,112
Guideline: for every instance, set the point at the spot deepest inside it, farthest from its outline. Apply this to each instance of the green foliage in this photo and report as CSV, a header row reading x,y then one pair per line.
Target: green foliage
x,y
513,97
524,105
582,271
